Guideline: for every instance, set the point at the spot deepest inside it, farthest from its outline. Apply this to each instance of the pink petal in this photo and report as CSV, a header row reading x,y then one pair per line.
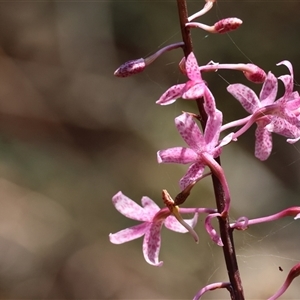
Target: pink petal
x,y
293,141
245,96
269,90
194,91
192,68
129,234
171,95
226,140
283,127
212,130
194,172
129,208
151,244
293,104
263,142
288,84
288,65
209,102
288,80
177,155
172,223
190,131
150,208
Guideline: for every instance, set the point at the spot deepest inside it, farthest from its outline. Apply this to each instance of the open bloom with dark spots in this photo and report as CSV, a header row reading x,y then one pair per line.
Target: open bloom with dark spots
x,y
152,218
281,116
202,147
191,90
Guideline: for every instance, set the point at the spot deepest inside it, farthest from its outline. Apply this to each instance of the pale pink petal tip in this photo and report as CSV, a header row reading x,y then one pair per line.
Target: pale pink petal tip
x,y
297,217
131,67
216,238
227,139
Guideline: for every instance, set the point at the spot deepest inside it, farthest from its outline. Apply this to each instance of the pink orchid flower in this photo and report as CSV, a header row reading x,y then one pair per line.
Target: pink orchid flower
x,y
152,218
191,90
281,116
202,147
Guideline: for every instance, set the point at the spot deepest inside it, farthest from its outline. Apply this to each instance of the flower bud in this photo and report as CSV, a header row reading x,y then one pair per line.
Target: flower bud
x,y
131,67
135,66
227,25
255,74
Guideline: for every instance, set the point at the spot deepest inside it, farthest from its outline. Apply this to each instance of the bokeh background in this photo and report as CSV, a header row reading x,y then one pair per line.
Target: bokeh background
x,y
72,135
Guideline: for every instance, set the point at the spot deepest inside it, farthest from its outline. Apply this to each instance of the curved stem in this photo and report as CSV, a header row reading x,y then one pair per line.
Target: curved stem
x,y
294,272
239,122
217,170
211,287
293,211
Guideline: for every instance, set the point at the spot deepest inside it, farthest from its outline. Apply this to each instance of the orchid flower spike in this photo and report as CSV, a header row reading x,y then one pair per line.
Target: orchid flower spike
x,y
152,218
222,26
135,66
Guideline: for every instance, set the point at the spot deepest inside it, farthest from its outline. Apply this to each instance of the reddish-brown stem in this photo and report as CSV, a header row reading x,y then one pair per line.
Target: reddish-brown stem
x,y
236,290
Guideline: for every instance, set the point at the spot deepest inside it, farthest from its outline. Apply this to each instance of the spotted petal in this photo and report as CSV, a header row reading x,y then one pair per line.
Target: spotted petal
x,y
150,208
283,127
173,224
269,90
194,172
209,102
245,96
263,141
189,131
131,209
171,95
129,234
192,69
212,130
194,90
288,80
152,242
176,155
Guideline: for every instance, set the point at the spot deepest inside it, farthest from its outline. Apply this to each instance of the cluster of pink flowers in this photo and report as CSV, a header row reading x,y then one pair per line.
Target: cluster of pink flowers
x,y
270,113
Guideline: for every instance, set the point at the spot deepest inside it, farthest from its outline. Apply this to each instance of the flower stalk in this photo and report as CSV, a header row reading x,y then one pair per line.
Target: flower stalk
x,y
225,231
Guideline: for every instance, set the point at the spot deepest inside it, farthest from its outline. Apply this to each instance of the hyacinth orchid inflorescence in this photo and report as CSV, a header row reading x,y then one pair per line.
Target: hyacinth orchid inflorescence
x,y
270,113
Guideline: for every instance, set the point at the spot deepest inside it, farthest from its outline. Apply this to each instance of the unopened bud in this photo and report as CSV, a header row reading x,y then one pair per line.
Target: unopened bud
x,y
135,66
255,74
227,25
131,67
223,26
252,72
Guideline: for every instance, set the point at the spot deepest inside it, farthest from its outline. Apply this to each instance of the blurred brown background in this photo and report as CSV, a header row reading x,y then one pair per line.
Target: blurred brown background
x,y
72,135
